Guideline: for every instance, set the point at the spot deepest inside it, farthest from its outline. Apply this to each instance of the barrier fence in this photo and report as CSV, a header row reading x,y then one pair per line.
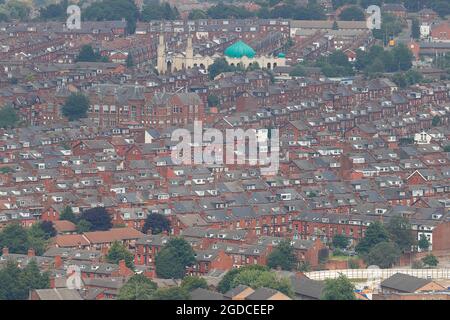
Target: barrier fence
x,y
379,273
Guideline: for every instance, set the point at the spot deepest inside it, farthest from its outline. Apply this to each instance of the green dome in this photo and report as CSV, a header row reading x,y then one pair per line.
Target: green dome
x,y
281,55
239,49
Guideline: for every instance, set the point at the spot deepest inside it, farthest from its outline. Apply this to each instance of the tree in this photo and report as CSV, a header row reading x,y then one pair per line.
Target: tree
x,y
260,278
87,54
15,238
340,241
213,101
75,106
338,289
375,234
282,256
197,14
156,223
384,255
108,10
54,11
172,293
415,29
353,13
190,283
430,260
118,252
219,66
8,117
155,11
67,214
98,217
138,287
298,71
423,243
15,283
226,283
129,60
401,233
48,228
436,121
172,260
83,226
402,57
37,238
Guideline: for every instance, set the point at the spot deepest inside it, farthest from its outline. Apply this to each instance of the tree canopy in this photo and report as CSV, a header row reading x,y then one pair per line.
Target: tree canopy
x,y
174,257
352,13
75,106
375,234
255,278
98,217
87,54
341,241
157,11
15,283
384,254
8,117
138,287
156,223
67,214
338,289
118,252
107,10
190,283
401,233
282,256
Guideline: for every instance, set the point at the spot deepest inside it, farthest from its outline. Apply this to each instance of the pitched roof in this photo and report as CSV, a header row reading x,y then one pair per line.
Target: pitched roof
x,y
404,282
307,287
204,294
58,294
115,234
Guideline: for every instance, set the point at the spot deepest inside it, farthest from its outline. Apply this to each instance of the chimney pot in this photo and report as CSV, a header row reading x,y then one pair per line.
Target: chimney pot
x,y
5,251
31,253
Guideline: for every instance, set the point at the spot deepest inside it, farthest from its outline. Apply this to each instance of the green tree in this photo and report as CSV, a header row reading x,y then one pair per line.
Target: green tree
x,y
298,71
282,256
15,238
383,254
138,287
213,101
37,239
259,278
118,252
415,29
430,260
155,11
338,289
83,226
219,66
226,283
48,228
190,283
108,10
172,260
8,117
402,57
375,234
87,54
341,241
401,233
75,106
172,293
98,217
423,243
436,121
67,214
352,13
15,283
129,61
197,14
156,223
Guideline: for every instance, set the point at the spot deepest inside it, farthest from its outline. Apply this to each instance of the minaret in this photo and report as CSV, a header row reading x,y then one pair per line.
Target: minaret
x,y
161,52
189,53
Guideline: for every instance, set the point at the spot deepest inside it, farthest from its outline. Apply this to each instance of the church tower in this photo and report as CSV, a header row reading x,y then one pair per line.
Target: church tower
x,y
189,53
161,55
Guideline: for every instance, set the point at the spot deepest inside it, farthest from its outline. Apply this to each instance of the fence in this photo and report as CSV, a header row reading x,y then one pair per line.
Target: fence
x,y
379,273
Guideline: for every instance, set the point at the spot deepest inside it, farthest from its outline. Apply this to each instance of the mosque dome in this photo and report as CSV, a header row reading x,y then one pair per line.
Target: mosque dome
x,y
239,49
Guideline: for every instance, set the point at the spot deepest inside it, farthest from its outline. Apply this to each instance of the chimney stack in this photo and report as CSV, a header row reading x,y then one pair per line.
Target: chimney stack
x,y
58,262
5,251
31,252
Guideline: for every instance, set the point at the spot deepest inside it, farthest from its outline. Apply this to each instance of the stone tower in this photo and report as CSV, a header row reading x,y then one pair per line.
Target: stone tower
x,y
161,52
189,63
